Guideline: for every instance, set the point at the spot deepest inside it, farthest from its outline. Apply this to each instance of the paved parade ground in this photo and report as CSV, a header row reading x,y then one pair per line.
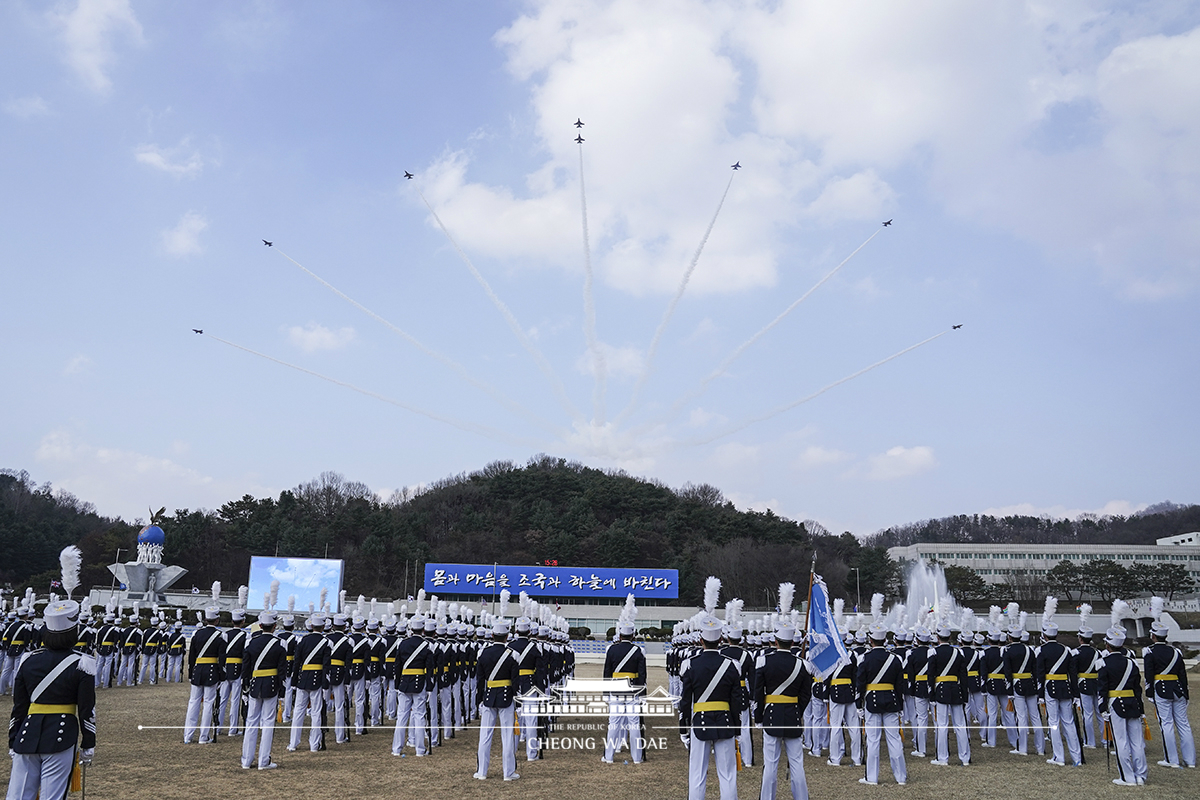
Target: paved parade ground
x,y
153,763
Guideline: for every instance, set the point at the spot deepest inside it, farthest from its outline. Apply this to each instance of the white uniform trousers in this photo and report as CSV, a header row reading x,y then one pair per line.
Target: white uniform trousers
x,y
460,705
530,732
944,716
375,698
445,715
622,723
1173,719
149,672
175,669
199,713
410,722
745,741
816,727
435,726
260,731
1090,705
843,717
125,676
103,669
1130,746
358,687
998,715
231,707
773,746
489,718
877,725
287,698
390,695
725,754
1029,724
473,701
920,724
1060,717
8,671
308,702
338,701
40,775
975,713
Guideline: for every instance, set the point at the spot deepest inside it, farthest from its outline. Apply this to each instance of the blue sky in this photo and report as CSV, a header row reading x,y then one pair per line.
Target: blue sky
x,y
1041,162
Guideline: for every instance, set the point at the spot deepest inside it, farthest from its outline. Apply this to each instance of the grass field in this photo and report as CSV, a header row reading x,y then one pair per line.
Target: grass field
x,y
153,762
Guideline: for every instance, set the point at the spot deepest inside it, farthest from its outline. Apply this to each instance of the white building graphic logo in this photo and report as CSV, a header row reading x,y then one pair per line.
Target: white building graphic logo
x,y
598,698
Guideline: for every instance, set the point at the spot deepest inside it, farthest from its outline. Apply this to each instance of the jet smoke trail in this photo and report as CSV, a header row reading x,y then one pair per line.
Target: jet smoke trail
x,y
483,386
736,354
662,326
560,391
599,366
470,427
781,409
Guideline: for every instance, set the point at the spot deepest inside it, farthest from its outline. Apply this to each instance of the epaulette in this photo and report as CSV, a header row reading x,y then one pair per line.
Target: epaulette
x,y
87,664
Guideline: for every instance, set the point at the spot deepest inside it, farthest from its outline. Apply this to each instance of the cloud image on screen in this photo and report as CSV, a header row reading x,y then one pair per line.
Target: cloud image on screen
x,y
302,577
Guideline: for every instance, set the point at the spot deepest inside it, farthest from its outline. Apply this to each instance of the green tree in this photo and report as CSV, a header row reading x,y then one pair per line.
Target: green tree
x,y
1143,577
966,585
1171,579
1065,578
1107,579
879,573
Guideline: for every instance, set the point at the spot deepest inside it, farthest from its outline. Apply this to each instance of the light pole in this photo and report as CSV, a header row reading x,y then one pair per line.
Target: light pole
x,y
858,587
113,588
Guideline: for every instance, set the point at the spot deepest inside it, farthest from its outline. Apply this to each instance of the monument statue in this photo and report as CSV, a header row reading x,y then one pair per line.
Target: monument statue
x,y
148,578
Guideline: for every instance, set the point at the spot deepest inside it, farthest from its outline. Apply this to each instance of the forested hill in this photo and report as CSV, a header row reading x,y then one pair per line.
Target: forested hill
x,y
549,509
1155,522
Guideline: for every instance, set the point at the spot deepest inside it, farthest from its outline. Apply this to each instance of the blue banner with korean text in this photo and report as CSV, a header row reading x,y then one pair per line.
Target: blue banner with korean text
x,y
477,579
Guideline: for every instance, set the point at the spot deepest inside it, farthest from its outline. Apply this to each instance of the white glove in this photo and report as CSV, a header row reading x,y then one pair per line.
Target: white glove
x,y
686,741
85,756
1105,716
862,713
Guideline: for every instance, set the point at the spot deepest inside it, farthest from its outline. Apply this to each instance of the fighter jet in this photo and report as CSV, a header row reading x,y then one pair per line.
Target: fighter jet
x,y
408,175
578,123
956,327
268,244
197,330
738,165
579,139
889,222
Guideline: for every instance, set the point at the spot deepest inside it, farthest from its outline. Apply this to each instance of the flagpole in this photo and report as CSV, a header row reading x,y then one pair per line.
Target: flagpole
x,y
808,610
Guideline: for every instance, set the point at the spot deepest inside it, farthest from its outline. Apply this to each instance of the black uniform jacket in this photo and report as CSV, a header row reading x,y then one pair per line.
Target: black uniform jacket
x,y
842,688
991,670
1087,665
782,687
339,659
47,718
1056,677
310,664
1019,666
496,676
711,697
264,664
879,676
1120,686
205,655
1165,675
235,646
625,660
948,675
415,665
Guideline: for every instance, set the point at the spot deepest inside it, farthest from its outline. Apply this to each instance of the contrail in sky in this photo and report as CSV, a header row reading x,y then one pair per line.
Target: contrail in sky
x,y
471,427
487,388
662,326
599,367
736,354
560,391
781,409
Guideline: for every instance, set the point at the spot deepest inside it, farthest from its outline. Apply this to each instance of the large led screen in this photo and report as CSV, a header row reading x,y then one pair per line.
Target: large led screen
x,y
303,577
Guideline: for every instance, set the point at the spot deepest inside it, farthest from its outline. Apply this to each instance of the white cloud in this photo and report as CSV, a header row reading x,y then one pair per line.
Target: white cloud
x,y
314,338
88,30
1112,508
184,238
735,454
181,161
900,462
815,456
76,365
26,107
700,418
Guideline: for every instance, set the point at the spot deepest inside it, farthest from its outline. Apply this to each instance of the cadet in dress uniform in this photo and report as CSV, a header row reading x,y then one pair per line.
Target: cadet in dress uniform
x,y
1167,688
879,705
443,683
1056,685
709,712
339,676
782,686
843,716
131,643
310,679
391,642
496,676
1122,710
106,647
1019,664
285,630
1087,665
917,667
150,646
948,694
530,660
360,657
415,664
745,661
375,672
16,642
176,645
624,660
996,693
264,663
235,645
54,701
973,650
205,654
